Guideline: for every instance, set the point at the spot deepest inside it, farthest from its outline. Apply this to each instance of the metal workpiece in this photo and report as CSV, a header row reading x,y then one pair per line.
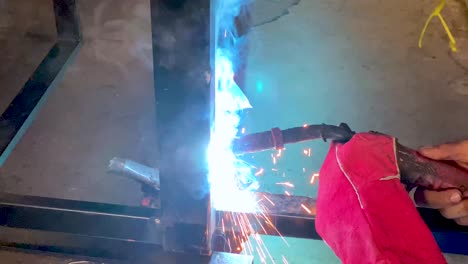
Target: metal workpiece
x,y
80,218
93,229
136,171
281,204
280,215
181,59
184,228
22,110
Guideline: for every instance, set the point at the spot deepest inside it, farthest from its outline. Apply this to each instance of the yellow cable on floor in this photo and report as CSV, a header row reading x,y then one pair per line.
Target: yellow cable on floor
x,y
436,12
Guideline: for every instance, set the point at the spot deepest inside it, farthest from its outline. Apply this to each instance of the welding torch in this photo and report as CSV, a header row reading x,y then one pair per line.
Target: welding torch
x,y
415,169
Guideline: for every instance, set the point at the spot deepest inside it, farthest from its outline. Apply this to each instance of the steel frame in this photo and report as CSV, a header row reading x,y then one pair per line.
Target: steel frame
x,y
16,119
179,232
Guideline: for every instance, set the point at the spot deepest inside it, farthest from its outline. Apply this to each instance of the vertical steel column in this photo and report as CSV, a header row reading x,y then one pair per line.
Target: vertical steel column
x,y
181,56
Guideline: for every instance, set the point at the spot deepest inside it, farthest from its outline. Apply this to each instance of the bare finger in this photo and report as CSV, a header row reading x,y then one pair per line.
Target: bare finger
x,y
462,221
450,151
437,199
456,211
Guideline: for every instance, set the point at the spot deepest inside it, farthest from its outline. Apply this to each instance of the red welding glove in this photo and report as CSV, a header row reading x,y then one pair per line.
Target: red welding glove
x,y
363,211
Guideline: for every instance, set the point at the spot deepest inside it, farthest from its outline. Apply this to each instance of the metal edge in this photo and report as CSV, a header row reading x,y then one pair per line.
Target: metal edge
x,y
19,115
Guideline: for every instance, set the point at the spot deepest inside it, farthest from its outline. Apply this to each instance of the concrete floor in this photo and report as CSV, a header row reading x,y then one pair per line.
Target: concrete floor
x,y
309,62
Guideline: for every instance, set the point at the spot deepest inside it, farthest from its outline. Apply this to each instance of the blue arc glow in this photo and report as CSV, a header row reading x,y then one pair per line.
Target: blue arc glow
x,y
225,169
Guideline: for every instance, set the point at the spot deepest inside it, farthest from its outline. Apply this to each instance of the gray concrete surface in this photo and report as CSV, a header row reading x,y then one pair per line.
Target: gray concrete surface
x,y
309,62
10,256
104,107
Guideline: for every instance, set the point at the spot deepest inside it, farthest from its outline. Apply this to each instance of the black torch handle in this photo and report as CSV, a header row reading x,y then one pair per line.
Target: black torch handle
x,y
416,170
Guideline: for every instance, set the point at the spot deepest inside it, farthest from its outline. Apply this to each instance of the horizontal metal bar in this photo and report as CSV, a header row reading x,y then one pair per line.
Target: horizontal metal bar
x,y
280,215
287,205
92,222
133,251
77,244
83,218
284,216
84,206
287,226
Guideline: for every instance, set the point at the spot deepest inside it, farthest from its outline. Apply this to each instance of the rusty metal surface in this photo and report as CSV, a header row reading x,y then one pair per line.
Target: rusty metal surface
x,y
280,204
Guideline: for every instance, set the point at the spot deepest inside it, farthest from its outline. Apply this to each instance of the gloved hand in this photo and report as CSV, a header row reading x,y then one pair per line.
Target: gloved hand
x,y
451,203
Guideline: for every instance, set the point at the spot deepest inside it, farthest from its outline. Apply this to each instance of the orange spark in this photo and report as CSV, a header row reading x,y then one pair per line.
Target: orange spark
x,y
273,158
243,130
261,255
306,209
274,227
312,178
305,125
284,260
274,169
303,170
259,172
260,223
269,200
288,184
280,152
287,193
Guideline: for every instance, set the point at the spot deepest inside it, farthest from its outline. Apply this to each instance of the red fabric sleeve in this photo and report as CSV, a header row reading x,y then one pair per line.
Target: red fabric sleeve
x,y
363,211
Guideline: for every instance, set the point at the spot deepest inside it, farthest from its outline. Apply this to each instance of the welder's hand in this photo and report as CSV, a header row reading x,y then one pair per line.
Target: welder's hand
x,y
457,152
451,203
